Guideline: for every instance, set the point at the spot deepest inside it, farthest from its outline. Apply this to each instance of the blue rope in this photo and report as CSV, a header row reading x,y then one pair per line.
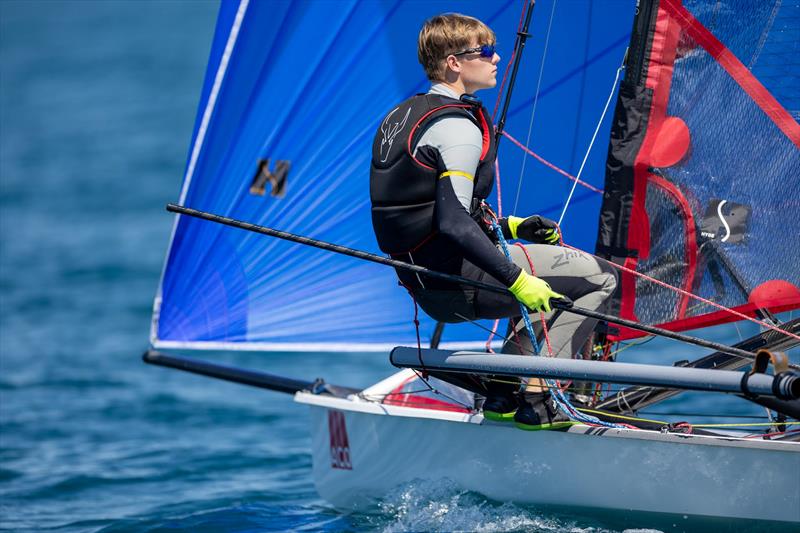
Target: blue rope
x,y
560,399
522,309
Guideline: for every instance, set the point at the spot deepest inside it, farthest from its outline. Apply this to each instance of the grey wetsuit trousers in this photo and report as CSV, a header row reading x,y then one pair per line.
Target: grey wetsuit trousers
x,y
588,281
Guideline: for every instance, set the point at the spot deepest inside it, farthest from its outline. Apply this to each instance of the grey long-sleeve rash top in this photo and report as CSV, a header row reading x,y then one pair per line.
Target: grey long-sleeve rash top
x,y
459,143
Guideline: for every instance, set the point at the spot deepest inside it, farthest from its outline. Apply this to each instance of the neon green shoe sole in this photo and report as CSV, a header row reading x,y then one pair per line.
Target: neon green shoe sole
x,y
550,426
499,417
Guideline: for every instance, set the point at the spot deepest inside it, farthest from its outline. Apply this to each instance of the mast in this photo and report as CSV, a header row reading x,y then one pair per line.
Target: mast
x,y
519,47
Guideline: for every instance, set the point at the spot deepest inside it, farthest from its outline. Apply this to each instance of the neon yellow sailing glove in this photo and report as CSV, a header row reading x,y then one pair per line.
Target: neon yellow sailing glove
x,y
535,229
533,292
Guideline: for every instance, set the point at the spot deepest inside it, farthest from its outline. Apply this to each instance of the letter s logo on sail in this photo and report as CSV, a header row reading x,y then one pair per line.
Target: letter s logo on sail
x,y
389,131
725,221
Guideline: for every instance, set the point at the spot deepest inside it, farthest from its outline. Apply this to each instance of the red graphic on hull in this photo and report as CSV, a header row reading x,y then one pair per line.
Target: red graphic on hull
x,y
340,446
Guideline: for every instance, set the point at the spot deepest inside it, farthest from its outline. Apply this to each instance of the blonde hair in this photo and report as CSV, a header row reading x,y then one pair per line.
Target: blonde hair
x,y
447,34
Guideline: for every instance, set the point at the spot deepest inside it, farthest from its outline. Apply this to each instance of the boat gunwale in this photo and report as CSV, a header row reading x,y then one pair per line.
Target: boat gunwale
x,y
358,404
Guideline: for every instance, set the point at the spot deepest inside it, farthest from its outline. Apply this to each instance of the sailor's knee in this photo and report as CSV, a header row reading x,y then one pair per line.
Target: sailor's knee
x,y
609,280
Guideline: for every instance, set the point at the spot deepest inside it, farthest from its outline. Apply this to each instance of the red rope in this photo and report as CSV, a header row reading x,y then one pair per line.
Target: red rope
x,y
547,163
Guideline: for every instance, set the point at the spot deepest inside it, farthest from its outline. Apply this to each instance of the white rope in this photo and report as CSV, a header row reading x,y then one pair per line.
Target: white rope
x,y
535,102
594,137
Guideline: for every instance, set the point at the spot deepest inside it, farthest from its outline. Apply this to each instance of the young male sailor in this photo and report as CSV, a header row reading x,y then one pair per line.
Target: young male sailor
x,y
432,167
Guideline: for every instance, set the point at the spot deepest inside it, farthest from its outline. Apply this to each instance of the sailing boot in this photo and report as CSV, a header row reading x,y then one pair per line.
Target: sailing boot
x,y
536,411
501,401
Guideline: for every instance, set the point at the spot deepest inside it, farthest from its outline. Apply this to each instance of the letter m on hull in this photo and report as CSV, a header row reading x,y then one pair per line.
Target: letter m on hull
x,y
340,447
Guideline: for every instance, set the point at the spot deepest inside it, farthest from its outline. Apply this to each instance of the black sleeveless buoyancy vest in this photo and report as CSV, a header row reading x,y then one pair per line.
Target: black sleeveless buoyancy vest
x,y
403,187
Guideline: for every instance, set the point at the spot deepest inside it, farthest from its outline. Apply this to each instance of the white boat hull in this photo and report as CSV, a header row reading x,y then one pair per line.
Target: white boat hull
x,y
612,469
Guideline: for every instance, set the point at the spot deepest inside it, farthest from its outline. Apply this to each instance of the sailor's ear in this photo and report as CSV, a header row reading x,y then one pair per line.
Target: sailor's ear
x,y
453,63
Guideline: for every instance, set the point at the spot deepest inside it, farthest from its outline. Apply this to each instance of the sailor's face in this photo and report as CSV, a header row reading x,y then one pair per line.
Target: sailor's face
x,y
478,72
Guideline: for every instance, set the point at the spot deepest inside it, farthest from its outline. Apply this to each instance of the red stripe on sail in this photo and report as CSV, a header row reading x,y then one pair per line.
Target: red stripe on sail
x,y
689,234
775,305
740,73
659,79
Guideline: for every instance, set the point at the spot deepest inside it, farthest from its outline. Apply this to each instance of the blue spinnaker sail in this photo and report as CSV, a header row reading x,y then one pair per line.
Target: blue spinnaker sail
x,y
301,86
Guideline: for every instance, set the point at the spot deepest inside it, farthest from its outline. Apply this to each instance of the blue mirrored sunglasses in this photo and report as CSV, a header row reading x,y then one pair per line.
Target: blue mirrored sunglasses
x,y
485,50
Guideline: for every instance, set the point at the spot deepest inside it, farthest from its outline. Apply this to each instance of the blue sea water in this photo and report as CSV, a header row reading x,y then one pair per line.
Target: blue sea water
x,y
97,101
